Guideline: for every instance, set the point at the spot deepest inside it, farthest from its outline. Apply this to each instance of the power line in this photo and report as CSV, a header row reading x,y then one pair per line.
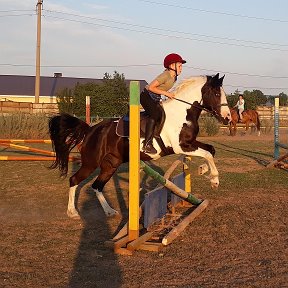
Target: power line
x,y
161,29
258,88
166,35
239,74
82,66
18,10
161,34
215,12
144,65
16,15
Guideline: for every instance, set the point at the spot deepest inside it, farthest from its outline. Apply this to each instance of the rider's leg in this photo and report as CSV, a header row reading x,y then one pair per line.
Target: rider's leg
x,y
240,114
151,108
149,134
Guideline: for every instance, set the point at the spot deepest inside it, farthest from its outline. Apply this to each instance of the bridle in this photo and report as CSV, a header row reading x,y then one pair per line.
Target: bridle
x,y
201,107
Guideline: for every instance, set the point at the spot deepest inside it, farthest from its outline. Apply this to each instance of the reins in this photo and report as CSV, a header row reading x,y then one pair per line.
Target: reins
x,y
201,107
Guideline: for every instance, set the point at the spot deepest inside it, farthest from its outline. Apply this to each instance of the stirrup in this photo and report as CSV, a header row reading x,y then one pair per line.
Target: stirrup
x,y
149,148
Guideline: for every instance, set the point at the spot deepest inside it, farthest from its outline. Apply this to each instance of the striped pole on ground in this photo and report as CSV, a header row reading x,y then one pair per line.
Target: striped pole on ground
x,y
276,129
170,185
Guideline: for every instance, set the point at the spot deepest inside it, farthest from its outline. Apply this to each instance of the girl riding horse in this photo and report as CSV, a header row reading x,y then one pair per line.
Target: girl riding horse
x,y
150,98
102,147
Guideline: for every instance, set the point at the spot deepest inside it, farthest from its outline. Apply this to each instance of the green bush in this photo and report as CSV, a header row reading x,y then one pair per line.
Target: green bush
x,y
24,126
209,126
267,125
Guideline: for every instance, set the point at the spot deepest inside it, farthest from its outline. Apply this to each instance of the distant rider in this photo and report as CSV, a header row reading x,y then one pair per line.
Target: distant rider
x,y
240,106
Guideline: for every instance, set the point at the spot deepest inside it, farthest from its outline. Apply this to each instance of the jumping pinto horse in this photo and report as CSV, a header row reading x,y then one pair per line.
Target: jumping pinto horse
x,y
102,147
248,117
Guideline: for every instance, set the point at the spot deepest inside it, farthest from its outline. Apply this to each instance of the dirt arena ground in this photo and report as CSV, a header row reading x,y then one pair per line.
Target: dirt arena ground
x,y
241,240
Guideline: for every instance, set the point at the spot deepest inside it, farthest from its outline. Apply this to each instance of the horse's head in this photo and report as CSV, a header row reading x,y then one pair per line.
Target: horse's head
x,y
214,98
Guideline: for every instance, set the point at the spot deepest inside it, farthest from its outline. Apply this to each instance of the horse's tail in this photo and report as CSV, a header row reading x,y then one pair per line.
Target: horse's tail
x,y
66,132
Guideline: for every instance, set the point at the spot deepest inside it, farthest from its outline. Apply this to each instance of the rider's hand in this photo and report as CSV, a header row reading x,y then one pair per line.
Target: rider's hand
x,y
170,95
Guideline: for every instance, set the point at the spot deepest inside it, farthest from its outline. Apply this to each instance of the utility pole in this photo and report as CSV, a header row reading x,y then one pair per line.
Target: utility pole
x,y
37,78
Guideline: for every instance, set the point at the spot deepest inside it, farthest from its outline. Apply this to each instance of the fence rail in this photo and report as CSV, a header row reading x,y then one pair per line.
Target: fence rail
x,y
268,112
52,108
11,106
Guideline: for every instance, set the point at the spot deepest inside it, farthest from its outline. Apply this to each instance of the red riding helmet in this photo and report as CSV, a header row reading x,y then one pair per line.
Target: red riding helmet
x,y
173,58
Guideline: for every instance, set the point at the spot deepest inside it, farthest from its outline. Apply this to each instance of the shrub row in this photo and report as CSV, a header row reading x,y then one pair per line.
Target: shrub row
x,y
35,126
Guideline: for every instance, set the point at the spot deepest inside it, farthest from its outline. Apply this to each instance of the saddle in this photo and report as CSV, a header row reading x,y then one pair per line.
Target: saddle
x,y
122,128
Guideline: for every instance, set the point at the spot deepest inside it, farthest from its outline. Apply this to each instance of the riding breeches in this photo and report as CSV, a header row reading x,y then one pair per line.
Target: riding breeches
x,y
240,112
152,108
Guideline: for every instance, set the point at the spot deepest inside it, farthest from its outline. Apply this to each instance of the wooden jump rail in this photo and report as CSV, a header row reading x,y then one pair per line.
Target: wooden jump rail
x,y
121,242
27,158
48,141
30,149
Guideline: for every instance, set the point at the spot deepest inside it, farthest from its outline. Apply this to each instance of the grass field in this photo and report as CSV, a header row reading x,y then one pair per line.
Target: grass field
x,y
241,240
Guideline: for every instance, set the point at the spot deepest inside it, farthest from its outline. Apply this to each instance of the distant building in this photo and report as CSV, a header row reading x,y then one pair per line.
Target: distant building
x,y
20,88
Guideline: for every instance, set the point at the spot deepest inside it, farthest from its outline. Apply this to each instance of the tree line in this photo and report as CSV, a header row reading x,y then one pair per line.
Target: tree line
x,y
110,98
255,98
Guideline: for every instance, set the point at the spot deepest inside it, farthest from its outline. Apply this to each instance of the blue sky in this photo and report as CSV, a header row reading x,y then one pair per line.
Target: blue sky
x,y
245,40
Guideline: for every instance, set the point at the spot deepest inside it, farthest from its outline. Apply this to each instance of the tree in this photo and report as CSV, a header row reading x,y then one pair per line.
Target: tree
x,y
283,99
254,99
117,92
233,98
65,100
108,99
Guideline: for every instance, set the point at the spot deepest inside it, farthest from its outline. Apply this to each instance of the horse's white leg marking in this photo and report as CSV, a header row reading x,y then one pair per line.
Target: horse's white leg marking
x,y
202,169
71,210
214,174
106,207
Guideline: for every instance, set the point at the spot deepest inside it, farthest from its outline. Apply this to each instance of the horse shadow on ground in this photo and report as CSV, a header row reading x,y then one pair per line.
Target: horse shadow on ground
x,y
94,264
245,152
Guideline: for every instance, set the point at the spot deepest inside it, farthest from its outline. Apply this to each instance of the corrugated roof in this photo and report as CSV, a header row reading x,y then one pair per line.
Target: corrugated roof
x,y
25,85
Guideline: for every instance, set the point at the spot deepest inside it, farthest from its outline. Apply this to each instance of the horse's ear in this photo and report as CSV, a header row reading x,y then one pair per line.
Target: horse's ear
x,y
215,80
221,80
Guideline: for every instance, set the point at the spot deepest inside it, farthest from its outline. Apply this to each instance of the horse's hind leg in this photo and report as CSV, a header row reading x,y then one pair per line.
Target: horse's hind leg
x,y
108,167
77,178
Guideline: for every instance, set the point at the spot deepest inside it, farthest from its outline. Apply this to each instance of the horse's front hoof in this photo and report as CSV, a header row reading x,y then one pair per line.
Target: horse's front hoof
x,y
214,183
214,186
73,215
111,213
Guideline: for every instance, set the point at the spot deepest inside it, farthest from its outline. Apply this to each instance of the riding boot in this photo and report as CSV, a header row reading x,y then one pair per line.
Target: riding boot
x,y
149,133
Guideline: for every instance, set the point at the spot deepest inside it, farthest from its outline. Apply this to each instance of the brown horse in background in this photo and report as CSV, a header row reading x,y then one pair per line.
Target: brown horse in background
x,y
249,117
